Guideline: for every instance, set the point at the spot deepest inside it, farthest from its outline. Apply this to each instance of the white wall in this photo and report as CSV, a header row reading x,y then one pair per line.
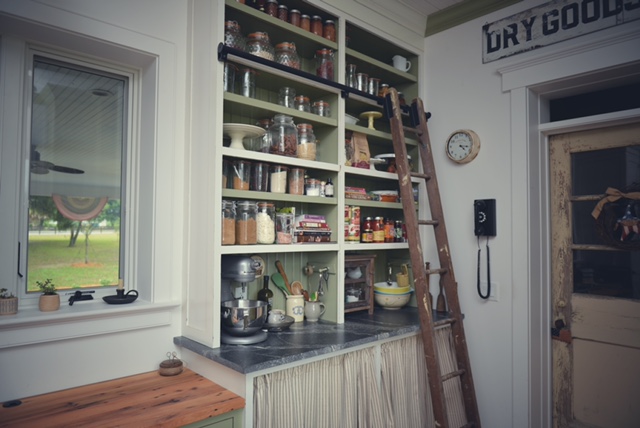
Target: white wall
x,y
508,339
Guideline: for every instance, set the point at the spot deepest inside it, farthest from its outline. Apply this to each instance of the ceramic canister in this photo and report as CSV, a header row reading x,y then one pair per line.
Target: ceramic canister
x,y
295,307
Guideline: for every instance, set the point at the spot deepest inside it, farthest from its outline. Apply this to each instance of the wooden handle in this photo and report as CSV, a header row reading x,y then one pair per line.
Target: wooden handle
x,y
284,276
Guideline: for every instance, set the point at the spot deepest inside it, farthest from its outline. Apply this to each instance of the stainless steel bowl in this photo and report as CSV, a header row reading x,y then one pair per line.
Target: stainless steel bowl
x,y
243,317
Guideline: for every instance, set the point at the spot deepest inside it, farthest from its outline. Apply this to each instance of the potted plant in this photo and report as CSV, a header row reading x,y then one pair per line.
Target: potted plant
x,y
8,302
50,299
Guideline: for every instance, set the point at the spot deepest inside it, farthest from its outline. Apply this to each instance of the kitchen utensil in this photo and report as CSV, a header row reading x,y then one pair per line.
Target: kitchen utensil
x,y
296,287
243,317
284,276
278,280
305,294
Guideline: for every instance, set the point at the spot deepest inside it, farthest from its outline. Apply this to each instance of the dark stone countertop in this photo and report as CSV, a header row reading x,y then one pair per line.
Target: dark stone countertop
x,y
306,340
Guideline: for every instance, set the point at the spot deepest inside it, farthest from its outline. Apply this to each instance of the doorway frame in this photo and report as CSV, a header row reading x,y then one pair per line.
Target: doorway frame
x,y
588,63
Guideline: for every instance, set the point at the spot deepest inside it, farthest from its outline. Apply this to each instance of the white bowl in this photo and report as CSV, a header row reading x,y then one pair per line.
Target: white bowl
x,y
354,273
351,120
391,301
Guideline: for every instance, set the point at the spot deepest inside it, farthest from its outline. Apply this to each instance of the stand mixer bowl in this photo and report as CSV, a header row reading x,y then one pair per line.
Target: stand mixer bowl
x,y
243,317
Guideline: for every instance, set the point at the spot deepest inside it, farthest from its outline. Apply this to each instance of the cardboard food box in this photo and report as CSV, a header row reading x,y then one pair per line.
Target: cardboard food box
x,y
300,235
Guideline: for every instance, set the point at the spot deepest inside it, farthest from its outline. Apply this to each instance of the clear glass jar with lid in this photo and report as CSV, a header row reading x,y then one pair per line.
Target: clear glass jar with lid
x,y
246,230
286,54
324,63
233,37
306,142
266,223
259,44
284,136
228,223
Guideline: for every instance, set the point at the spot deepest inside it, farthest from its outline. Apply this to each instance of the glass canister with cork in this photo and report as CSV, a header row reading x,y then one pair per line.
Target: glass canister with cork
x,y
228,223
306,142
246,228
284,136
265,223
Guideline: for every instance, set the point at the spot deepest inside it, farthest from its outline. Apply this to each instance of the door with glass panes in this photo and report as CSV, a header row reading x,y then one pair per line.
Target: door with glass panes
x,y
595,242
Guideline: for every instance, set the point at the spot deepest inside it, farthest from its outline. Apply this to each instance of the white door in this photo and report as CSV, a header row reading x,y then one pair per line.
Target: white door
x,y
596,277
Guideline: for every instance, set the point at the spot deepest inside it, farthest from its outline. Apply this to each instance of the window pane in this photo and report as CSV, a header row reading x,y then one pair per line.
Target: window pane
x,y
593,172
77,139
607,273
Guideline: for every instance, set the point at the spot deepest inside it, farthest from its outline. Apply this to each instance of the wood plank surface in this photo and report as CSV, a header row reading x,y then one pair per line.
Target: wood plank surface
x,y
145,400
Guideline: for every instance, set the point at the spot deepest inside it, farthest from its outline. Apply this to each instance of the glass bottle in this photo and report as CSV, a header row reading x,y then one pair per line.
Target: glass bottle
x,y
328,189
286,54
284,136
306,142
265,223
329,30
233,37
246,231
228,223
259,44
316,25
324,63
265,294
350,79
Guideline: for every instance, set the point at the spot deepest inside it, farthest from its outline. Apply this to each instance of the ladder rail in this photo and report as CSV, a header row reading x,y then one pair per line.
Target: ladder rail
x,y
420,273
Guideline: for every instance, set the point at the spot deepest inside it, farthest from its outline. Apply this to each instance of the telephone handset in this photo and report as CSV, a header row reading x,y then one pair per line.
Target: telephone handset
x,y
484,211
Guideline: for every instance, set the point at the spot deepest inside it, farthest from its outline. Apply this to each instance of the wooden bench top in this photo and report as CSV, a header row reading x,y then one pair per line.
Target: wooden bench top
x,y
145,400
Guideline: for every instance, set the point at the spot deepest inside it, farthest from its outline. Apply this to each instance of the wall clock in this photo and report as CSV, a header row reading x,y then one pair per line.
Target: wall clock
x,y
463,146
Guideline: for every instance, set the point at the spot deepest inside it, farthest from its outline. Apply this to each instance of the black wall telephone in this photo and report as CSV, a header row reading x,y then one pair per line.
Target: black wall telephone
x,y
485,217
484,211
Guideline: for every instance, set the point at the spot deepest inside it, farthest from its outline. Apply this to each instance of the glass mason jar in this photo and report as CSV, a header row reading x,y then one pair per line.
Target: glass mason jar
x,y
302,103
266,223
271,8
283,13
286,54
248,82
296,181
305,22
241,174
233,37
259,44
329,30
260,177
294,17
306,142
278,178
228,223
284,228
324,63
263,143
321,108
316,25
246,231
350,79
286,96
284,136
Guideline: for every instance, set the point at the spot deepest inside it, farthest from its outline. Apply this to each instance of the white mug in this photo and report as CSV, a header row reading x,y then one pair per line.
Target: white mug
x,y
276,316
401,63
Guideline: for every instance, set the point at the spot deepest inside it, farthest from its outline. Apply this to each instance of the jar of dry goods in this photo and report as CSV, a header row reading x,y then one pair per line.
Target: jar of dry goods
x,y
266,223
329,30
306,142
305,22
228,223
271,8
286,96
278,178
294,17
233,37
241,174
283,13
286,54
260,177
259,44
246,229
284,136
302,103
321,108
316,25
296,181
324,63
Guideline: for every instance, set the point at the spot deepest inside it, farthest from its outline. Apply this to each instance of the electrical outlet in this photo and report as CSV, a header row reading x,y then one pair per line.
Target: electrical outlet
x,y
494,296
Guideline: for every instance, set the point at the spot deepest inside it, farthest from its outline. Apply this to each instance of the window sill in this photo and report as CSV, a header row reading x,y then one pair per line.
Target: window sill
x,y
30,326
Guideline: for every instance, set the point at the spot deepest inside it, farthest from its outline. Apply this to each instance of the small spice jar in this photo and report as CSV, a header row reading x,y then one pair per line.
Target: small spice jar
x,y
246,230
284,136
316,25
324,63
294,17
329,30
278,178
265,223
302,103
321,108
306,142
228,223
259,44
283,13
305,22
286,54
271,8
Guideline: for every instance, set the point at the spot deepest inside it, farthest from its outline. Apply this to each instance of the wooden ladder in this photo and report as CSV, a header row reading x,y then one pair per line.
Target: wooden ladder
x,y
442,405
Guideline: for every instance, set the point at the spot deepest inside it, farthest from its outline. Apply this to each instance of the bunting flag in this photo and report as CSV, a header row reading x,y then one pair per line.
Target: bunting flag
x,y
79,208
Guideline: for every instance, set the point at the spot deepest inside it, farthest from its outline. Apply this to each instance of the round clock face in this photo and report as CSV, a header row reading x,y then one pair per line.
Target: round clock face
x,y
463,146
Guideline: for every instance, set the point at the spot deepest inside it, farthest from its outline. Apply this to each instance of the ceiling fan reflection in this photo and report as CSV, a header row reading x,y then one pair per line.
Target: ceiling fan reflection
x,y
39,166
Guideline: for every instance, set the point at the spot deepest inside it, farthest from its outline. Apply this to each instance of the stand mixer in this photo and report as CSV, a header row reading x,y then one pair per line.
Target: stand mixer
x,y
242,319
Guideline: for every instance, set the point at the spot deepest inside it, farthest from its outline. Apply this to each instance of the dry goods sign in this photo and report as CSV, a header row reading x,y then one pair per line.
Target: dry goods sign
x,y
553,22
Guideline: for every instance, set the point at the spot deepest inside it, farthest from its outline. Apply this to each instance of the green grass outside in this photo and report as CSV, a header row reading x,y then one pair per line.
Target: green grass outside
x,y
51,257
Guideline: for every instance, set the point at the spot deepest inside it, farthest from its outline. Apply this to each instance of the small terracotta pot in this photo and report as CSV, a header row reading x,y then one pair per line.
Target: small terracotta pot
x,y
9,306
49,302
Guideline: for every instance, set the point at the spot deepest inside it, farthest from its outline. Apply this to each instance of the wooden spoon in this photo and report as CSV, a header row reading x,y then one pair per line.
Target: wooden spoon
x,y
296,287
284,276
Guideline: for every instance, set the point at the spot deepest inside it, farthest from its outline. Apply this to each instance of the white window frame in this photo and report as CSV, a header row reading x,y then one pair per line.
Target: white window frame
x,y
153,243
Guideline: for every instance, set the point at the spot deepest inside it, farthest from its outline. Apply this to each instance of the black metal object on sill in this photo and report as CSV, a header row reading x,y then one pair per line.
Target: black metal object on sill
x,y
226,53
80,295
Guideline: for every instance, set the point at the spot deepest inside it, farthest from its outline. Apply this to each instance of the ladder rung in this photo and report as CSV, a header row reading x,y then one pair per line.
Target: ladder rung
x,y
442,322
410,129
453,374
428,222
436,271
469,425
421,175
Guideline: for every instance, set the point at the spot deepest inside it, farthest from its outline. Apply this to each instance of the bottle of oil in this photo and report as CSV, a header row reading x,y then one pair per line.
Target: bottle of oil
x,y
265,294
